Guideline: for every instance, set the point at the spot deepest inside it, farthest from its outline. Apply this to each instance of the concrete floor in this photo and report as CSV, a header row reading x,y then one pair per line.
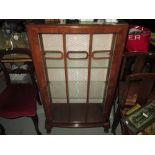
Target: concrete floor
x,y
24,126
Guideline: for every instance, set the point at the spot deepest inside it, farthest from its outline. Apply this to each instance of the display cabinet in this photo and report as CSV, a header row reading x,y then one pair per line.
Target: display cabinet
x,y
77,68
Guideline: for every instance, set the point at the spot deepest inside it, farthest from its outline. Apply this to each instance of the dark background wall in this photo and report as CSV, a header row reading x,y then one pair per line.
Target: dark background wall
x,y
149,23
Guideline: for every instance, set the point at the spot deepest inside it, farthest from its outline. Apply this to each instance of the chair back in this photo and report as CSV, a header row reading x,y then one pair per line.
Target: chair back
x,y
137,62
138,88
16,62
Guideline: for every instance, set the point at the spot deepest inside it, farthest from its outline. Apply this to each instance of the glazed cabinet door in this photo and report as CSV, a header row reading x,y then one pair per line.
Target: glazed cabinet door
x,y
77,68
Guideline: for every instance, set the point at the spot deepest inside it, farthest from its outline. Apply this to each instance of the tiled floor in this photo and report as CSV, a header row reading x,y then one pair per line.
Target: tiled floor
x,y
24,126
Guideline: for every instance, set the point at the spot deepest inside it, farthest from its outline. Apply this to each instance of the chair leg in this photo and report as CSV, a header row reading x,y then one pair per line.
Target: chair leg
x,y
116,121
38,99
36,125
37,89
2,130
123,129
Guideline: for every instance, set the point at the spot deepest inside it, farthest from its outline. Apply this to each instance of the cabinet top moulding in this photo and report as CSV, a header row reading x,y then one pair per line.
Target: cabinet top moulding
x,y
78,28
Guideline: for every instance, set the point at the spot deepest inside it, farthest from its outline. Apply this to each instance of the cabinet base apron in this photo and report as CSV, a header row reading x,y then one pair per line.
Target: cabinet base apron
x,y
77,115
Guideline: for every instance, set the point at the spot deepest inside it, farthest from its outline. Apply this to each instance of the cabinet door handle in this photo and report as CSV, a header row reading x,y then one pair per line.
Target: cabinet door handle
x,y
94,54
77,55
56,54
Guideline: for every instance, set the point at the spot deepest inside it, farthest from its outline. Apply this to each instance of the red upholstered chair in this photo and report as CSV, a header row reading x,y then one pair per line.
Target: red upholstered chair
x,y
18,99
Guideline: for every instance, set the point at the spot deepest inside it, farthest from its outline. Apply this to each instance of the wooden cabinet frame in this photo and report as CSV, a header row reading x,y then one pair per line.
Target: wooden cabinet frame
x,y
120,32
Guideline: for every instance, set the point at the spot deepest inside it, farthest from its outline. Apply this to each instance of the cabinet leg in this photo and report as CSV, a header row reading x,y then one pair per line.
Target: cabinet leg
x,y
106,126
48,126
113,132
36,125
117,119
106,130
2,130
48,131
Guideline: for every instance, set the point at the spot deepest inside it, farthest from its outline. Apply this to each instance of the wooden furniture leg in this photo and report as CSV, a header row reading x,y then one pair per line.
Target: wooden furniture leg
x,y
35,121
116,121
2,130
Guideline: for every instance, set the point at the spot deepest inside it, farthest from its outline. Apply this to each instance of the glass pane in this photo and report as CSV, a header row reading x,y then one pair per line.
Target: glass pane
x,y
98,74
58,89
52,42
56,55
52,48
97,85
102,42
77,84
54,63
97,90
56,74
101,54
77,42
57,85
78,74
77,63
77,89
60,100
100,62
78,100
77,69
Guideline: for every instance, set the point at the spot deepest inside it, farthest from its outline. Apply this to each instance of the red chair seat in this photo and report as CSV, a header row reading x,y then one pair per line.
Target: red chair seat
x,y
26,105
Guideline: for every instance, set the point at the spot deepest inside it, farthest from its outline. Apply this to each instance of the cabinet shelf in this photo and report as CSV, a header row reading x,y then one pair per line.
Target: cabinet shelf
x,y
77,115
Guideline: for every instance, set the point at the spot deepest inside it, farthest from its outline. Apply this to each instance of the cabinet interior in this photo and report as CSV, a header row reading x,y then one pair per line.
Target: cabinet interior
x,y
77,66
